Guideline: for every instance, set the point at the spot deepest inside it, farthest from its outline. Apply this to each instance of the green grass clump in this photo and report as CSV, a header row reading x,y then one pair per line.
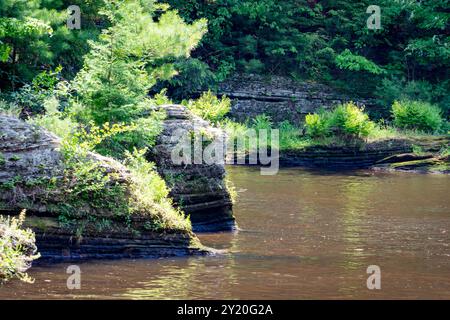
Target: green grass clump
x,y
149,194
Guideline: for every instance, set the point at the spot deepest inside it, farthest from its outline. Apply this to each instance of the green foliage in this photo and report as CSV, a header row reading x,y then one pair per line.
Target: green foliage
x,y
417,115
30,99
350,120
130,57
33,35
394,89
192,76
17,249
302,38
9,108
349,61
149,193
55,121
317,125
291,137
320,40
261,122
209,107
347,121
136,51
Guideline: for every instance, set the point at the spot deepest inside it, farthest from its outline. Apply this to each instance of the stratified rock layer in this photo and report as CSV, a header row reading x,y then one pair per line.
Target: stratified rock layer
x,y
390,154
345,157
30,159
198,189
280,98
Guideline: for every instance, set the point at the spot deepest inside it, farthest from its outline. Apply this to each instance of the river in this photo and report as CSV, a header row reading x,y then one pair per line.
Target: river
x,y
303,235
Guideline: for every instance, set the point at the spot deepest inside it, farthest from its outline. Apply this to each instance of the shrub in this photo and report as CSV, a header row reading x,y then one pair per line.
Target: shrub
x,y
317,125
9,108
347,120
135,52
17,249
209,107
350,120
348,60
417,115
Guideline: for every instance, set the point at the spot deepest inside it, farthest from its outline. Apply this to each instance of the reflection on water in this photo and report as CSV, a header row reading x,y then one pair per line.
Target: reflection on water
x,y
303,235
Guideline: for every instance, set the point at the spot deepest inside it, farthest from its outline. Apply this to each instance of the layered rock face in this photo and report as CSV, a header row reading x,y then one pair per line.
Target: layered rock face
x,y
389,154
33,177
430,160
280,98
199,189
345,157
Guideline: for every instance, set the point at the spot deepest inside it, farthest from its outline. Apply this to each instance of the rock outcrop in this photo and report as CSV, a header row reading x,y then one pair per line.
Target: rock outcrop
x,y
345,157
431,159
198,189
280,98
389,154
33,176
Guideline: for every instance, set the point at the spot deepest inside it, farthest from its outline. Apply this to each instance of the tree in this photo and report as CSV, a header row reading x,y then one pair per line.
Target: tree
x,y
129,58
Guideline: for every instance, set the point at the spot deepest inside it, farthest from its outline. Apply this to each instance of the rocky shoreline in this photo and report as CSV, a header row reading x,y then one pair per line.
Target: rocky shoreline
x,y
33,177
388,155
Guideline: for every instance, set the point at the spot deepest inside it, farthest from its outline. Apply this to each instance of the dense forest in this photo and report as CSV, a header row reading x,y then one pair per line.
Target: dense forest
x,y
98,88
325,41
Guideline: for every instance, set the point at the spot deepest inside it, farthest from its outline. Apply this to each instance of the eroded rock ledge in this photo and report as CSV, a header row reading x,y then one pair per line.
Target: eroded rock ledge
x,y
389,154
198,189
345,157
280,98
31,162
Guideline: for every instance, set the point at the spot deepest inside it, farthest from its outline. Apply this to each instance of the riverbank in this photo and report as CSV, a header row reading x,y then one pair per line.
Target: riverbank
x,y
384,148
389,154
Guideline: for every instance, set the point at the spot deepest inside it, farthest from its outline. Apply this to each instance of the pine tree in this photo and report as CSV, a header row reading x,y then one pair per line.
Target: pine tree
x,y
135,52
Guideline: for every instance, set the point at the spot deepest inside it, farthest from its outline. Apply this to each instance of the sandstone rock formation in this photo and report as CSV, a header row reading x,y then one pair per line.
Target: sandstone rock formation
x,y
33,177
345,157
199,189
280,98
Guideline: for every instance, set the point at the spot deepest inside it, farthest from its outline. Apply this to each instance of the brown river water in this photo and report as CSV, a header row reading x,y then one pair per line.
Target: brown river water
x,y
304,235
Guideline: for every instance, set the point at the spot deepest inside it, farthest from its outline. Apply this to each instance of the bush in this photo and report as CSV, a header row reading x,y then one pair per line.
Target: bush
x,y
316,125
150,194
347,120
417,115
17,249
209,107
350,120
